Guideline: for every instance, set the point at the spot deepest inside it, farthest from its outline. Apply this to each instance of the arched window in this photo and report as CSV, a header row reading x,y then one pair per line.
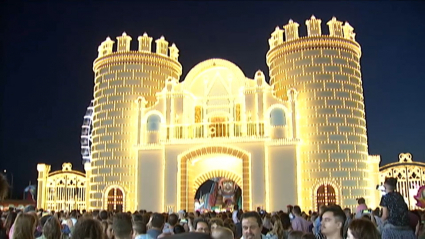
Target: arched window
x,y
153,123
115,200
326,195
277,117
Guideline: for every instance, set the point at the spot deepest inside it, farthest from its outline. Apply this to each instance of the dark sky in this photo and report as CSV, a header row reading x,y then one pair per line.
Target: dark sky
x,y
48,50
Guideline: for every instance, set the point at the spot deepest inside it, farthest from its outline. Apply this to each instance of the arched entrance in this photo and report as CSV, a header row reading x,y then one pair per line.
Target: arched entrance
x,y
199,165
218,192
326,195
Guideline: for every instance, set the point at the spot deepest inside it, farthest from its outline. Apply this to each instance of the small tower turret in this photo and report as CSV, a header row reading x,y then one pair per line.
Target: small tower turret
x,y
313,26
348,31
174,52
124,42
145,42
335,28
276,37
161,46
105,47
291,30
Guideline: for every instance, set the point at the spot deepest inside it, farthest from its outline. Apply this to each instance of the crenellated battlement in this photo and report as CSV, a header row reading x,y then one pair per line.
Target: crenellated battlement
x,y
145,45
314,29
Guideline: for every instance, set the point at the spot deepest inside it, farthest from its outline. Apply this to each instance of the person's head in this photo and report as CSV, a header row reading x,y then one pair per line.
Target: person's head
x,y
10,219
173,219
52,228
25,225
295,235
286,221
157,221
122,226
201,225
289,208
277,226
88,228
95,214
347,212
177,229
235,207
390,184
322,208
251,225
139,228
297,210
215,223
308,236
103,215
362,229
361,201
108,232
332,220
222,233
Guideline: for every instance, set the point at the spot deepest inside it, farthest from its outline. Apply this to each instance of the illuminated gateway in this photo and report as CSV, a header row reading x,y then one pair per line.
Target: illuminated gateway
x,y
299,140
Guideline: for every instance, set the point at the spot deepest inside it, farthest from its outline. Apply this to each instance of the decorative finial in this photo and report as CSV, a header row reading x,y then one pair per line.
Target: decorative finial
x,y
162,38
313,17
124,34
290,21
145,34
108,39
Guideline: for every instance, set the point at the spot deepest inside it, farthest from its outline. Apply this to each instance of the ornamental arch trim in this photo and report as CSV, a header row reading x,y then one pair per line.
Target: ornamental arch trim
x,y
186,185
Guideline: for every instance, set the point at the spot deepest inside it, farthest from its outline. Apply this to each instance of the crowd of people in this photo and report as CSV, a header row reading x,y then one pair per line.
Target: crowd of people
x,y
392,221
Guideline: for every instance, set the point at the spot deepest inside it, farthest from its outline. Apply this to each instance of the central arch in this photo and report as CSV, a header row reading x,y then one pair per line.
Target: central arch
x,y
187,184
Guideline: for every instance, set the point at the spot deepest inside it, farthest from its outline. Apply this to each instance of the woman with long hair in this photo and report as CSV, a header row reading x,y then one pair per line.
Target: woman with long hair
x,y
52,228
362,229
88,228
25,225
277,231
10,219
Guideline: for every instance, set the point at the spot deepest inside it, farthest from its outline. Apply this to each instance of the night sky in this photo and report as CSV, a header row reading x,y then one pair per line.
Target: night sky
x,y
48,51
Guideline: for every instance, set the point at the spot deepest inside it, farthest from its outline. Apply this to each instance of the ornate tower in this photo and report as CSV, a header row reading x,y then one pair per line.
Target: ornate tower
x,y
325,70
123,79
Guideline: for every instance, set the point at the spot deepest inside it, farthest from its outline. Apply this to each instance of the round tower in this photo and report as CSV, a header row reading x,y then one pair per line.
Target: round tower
x,y
325,71
123,79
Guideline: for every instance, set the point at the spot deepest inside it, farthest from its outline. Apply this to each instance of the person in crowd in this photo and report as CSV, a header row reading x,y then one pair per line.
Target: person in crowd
x,y
360,207
156,224
235,213
103,215
252,226
267,224
277,231
215,223
332,220
299,223
139,230
230,224
122,226
222,233
238,225
51,229
308,236
178,229
201,225
286,223
317,223
362,229
24,226
295,235
10,219
289,209
88,228
173,220
108,232
395,213
347,212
